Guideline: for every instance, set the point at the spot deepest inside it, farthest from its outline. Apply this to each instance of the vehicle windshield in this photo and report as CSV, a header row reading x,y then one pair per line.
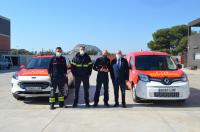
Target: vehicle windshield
x,y
155,62
38,63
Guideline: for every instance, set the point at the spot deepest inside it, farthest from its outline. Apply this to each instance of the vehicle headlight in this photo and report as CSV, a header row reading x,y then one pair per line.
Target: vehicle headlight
x,y
15,76
143,78
184,78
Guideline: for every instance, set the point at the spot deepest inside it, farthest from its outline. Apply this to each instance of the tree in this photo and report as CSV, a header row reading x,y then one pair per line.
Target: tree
x,y
171,40
46,52
20,52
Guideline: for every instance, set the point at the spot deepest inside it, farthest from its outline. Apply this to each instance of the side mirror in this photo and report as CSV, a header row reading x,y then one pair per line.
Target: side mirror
x,y
22,67
130,66
179,66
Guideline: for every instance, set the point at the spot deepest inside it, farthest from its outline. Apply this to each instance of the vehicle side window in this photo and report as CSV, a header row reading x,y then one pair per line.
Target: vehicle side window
x,y
171,64
132,61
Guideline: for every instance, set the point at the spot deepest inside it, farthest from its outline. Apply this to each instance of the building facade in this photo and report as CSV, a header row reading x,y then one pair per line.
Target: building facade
x,y
4,35
193,45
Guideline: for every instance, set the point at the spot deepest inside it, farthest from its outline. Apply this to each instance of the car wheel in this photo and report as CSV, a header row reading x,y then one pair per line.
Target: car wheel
x,y
8,67
18,97
134,96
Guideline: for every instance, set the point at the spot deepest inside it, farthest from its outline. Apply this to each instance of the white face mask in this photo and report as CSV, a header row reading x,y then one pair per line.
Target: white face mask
x,y
82,52
58,54
118,56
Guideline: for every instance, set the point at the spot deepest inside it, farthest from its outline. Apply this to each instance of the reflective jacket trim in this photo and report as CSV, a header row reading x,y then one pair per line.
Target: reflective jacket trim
x,y
80,65
61,98
52,100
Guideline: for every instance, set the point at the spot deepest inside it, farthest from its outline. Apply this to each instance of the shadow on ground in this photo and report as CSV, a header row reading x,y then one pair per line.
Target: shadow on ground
x,y
193,101
68,101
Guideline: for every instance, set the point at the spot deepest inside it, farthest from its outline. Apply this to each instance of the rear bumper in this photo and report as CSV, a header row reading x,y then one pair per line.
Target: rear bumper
x,y
157,91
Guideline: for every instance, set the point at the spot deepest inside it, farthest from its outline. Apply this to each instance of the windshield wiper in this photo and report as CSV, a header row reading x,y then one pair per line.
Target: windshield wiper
x,y
31,68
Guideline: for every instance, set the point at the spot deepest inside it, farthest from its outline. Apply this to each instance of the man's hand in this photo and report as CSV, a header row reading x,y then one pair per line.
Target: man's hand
x,y
49,77
104,69
127,81
101,69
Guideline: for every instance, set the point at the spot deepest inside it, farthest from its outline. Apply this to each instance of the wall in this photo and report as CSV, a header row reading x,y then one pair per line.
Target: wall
x,y
4,35
194,47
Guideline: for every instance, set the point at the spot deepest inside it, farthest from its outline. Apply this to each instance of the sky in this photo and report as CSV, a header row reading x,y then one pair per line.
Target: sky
x,y
108,24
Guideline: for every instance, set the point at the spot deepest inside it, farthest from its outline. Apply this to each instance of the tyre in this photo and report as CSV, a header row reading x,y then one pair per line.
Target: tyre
x,y
8,67
134,96
18,97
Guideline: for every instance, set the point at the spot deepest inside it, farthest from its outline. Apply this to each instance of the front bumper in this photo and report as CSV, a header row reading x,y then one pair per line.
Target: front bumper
x,y
32,94
157,91
18,89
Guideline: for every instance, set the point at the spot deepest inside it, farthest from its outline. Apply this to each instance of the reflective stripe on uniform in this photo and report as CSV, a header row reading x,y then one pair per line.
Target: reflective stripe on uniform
x,y
73,63
61,98
79,65
52,100
90,63
85,65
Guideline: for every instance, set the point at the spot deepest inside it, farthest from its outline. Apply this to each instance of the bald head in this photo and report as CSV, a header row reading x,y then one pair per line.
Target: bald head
x,y
119,52
104,53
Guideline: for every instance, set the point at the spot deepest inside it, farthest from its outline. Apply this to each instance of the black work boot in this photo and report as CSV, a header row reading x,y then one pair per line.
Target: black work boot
x,y
106,104
123,101
124,105
116,104
75,105
87,105
95,104
52,107
61,104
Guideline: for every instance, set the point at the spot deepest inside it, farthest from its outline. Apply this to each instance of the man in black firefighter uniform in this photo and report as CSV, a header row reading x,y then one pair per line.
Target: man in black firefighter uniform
x,y
102,66
81,70
57,73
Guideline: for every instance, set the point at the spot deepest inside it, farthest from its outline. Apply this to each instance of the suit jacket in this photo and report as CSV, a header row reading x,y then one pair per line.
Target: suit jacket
x,y
119,73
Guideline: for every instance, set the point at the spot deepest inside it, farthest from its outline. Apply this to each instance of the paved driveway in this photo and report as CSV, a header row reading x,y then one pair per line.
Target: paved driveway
x,y
34,115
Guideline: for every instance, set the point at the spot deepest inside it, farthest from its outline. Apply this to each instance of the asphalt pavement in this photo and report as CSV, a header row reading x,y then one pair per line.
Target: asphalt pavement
x,y
33,114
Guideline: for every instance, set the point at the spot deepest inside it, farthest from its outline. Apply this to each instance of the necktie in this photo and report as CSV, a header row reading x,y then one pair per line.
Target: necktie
x,y
118,63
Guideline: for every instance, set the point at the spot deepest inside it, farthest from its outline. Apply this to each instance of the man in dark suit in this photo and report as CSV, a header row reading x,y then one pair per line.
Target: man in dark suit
x,y
119,74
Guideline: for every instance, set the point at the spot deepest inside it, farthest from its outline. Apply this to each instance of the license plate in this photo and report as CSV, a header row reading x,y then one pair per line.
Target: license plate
x,y
33,88
163,90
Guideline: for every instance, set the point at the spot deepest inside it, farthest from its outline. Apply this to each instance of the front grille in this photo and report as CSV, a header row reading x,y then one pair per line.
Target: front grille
x,y
166,94
162,80
42,85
